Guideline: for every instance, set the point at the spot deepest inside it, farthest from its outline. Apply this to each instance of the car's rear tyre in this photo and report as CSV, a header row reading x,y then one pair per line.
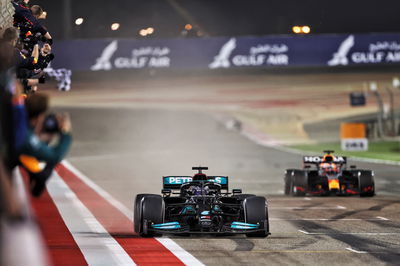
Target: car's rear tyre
x,y
299,183
366,183
148,208
242,197
288,181
256,212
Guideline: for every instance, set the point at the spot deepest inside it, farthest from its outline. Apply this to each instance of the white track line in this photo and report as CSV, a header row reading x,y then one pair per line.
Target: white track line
x,y
326,219
308,208
344,233
382,218
100,250
304,232
172,246
356,251
121,207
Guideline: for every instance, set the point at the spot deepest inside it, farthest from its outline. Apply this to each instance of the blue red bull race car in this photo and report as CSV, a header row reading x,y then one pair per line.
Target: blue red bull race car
x,y
200,204
328,175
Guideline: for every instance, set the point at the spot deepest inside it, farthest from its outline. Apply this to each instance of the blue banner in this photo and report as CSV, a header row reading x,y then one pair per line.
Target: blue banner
x,y
229,53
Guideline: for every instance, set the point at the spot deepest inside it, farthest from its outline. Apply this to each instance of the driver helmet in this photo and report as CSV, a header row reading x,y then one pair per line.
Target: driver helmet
x,y
328,168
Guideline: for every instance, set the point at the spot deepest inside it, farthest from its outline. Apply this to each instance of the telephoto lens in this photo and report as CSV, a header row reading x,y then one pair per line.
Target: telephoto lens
x,y
50,124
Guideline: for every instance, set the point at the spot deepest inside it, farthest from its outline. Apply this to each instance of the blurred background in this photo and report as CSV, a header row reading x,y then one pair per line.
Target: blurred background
x,y
216,18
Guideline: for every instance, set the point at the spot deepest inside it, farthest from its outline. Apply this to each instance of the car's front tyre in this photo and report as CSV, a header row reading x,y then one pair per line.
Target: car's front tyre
x,y
256,212
148,208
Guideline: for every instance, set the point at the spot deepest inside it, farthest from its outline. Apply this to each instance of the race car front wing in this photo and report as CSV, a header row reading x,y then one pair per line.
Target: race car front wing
x,y
177,228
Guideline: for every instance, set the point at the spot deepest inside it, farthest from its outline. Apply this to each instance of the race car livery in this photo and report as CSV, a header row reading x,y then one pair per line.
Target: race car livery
x,y
327,175
200,204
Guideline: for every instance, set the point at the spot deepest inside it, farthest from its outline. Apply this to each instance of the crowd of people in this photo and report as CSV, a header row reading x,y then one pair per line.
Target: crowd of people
x,y
31,137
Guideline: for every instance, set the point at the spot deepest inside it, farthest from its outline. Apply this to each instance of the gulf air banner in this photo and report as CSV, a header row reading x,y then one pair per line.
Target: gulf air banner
x,y
229,52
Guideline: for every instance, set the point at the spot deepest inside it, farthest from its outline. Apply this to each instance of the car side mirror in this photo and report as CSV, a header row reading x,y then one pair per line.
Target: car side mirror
x,y
237,191
353,167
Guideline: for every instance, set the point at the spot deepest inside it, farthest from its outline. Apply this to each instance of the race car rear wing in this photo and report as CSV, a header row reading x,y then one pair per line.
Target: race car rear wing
x,y
318,159
175,182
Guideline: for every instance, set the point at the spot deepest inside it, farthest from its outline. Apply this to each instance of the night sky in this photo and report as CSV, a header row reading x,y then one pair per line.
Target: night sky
x,y
220,17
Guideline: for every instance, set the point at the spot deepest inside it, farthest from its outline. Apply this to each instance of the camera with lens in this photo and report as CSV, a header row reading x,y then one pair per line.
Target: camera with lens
x,y
50,124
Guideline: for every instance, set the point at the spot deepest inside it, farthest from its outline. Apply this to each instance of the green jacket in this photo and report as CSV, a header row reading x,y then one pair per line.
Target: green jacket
x,y
34,147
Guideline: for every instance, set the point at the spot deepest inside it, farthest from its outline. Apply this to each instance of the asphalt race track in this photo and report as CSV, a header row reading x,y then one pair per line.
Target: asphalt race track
x,y
127,151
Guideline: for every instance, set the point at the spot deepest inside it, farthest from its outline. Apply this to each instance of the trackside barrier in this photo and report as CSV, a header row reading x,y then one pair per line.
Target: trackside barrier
x,y
22,242
284,51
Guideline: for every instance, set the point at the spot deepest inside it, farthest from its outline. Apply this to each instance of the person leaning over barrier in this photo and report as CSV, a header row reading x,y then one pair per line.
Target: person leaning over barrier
x,y
24,65
43,129
27,19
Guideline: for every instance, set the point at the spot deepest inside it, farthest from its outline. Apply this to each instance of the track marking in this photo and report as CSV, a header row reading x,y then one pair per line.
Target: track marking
x,y
356,251
299,251
327,219
102,249
306,198
60,243
344,233
382,218
304,232
308,208
169,244
127,212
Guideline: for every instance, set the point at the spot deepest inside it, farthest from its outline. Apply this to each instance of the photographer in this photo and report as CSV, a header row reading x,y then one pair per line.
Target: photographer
x,y
43,130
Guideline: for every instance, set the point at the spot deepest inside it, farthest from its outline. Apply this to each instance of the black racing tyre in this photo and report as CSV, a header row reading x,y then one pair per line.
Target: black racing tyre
x,y
256,212
366,183
242,197
152,202
287,180
299,180
137,213
153,209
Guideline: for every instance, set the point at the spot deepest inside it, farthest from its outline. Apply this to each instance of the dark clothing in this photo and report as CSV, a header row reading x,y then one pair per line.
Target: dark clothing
x,y
23,61
13,120
38,180
23,16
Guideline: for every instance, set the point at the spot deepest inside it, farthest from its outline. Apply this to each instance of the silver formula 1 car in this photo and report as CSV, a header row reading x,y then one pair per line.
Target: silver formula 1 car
x,y
200,204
